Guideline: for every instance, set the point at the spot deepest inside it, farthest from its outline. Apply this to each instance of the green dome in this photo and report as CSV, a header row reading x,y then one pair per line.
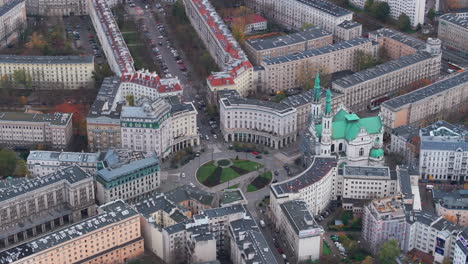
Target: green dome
x,y
376,153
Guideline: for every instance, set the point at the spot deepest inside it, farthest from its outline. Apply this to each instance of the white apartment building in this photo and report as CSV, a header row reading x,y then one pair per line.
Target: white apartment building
x,y
315,186
32,207
443,152
26,130
453,31
236,70
297,13
251,120
368,88
461,249
13,20
452,205
149,85
253,23
57,7
159,126
122,178
51,72
41,163
431,100
299,231
414,9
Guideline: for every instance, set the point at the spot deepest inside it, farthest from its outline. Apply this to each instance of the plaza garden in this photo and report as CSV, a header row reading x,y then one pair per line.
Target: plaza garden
x,y
220,171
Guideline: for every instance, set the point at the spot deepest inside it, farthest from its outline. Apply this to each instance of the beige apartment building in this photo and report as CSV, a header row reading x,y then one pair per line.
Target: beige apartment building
x,y
367,89
112,236
291,71
453,31
27,129
347,30
311,38
57,7
13,20
395,43
428,101
51,72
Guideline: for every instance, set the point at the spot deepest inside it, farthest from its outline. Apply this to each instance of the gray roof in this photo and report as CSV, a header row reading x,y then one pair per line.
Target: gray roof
x,y
444,129
316,52
231,196
9,6
46,59
53,119
320,167
10,182
455,19
223,211
186,192
382,69
407,132
347,24
276,107
405,183
113,213
373,172
159,202
400,37
457,199
463,245
300,218
327,7
62,156
428,91
109,174
106,103
280,41
71,175
306,97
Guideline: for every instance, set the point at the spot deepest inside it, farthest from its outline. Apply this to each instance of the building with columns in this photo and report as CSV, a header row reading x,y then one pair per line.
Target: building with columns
x,y
29,208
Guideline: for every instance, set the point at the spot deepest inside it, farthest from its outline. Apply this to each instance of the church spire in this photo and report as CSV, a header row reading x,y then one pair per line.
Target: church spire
x,y
328,103
317,88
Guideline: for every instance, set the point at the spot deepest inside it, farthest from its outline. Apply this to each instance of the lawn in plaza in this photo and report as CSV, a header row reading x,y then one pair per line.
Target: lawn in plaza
x,y
210,174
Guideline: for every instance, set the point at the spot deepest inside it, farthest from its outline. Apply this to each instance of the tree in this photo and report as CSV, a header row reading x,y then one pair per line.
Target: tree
x,y
306,26
380,10
431,14
388,252
100,73
365,60
22,78
7,162
21,169
278,97
130,99
404,23
368,260
368,5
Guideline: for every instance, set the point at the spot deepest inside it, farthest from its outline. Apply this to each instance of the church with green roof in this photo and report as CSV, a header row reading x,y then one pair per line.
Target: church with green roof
x,y
345,133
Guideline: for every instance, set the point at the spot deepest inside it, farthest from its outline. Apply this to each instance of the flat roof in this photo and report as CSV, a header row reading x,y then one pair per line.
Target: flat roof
x,y
62,156
300,218
275,107
400,37
427,91
316,52
382,69
17,59
285,40
366,171
348,24
186,192
455,19
231,196
327,7
107,103
53,119
307,97
114,212
112,173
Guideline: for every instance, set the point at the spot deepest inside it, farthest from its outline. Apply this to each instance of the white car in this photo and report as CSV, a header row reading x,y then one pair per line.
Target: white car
x,y
183,174
215,136
192,185
207,137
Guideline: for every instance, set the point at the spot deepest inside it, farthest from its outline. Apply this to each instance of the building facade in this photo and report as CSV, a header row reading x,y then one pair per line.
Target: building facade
x,y
41,163
112,236
311,38
443,152
368,88
406,142
57,7
13,19
347,30
453,31
396,44
453,205
33,207
425,103
51,72
27,129
461,249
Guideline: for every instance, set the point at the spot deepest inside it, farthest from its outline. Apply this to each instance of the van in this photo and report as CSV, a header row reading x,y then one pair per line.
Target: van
x,y
262,223
429,187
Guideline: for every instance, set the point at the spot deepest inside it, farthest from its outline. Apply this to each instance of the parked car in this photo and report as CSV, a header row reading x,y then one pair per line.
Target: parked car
x,y
183,174
255,152
262,223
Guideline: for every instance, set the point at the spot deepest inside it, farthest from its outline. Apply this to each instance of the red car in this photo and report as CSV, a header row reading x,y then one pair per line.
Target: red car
x,y
280,250
255,152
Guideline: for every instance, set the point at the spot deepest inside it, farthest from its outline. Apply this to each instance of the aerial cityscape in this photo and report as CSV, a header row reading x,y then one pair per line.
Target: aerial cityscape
x,y
234,131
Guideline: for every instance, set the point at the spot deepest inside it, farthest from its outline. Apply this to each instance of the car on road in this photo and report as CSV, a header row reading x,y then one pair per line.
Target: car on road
x,y
255,152
284,256
286,168
258,156
215,136
262,223
276,173
207,137
192,185
183,174
280,250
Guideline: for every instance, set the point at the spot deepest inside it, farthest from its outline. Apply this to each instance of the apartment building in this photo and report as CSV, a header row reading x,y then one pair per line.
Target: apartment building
x,y
396,44
315,185
443,152
32,207
192,199
28,129
405,141
347,30
57,7
252,23
461,249
368,88
251,120
291,71
425,103
112,42
366,182
297,13
311,38
162,126
384,219
124,175
453,31
51,72
414,9
299,231
236,70
112,236
452,205
145,84
41,163
13,19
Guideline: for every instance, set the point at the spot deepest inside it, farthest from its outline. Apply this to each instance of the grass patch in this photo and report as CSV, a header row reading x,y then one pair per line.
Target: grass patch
x,y
251,188
210,174
247,165
224,162
228,174
235,186
325,249
131,37
260,182
205,171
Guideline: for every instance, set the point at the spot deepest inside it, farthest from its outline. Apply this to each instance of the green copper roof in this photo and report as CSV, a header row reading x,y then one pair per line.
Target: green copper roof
x,y
349,129
317,88
376,153
340,116
352,117
328,103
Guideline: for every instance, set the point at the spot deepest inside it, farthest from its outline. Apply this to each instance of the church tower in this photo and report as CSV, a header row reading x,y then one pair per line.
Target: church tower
x,y
325,142
316,106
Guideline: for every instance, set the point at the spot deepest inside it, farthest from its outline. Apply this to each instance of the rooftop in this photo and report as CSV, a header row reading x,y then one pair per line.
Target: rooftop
x,y
442,135
455,19
57,119
388,208
36,155
223,211
232,196
427,91
112,213
71,175
407,132
112,173
327,7
316,52
306,97
319,168
400,37
46,59
280,41
457,200
382,69
5,8
300,218
371,172
107,103
281,109
347,24
405,182
159,202
186,192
